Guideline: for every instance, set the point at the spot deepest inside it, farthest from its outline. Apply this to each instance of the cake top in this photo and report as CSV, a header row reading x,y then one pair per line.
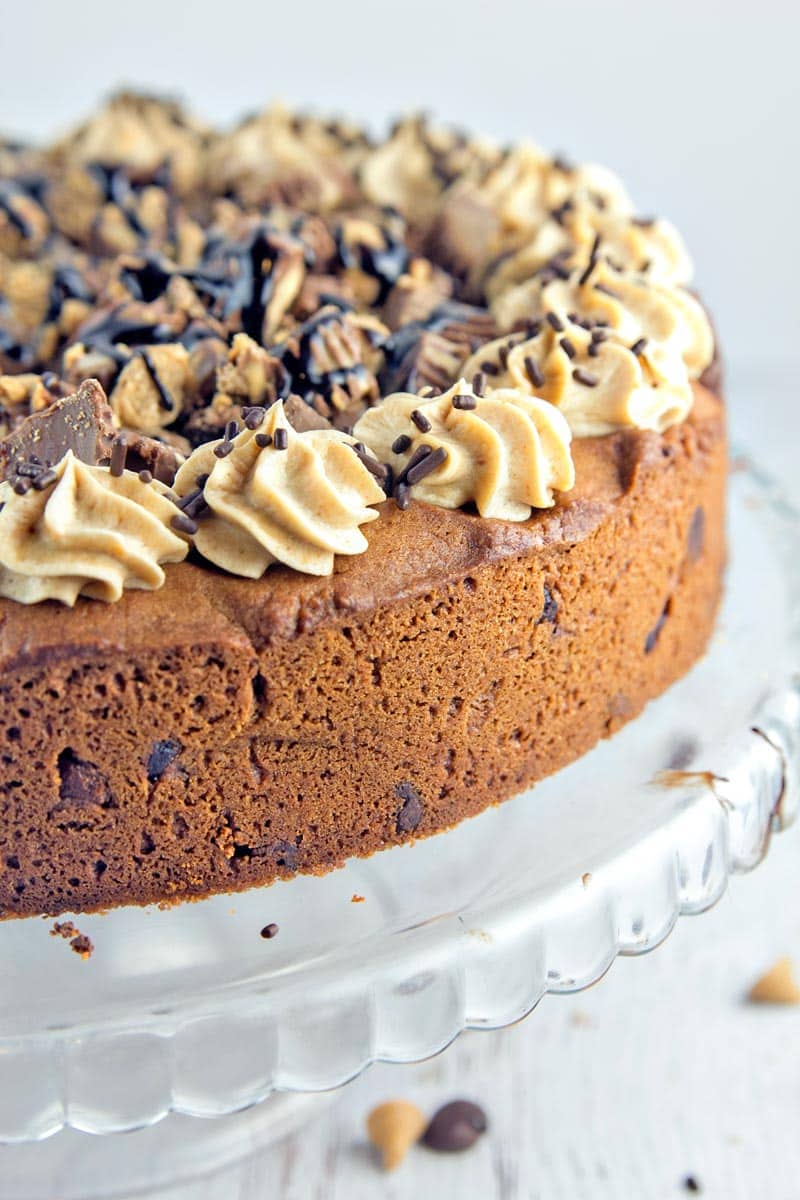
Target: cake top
x,y
299,321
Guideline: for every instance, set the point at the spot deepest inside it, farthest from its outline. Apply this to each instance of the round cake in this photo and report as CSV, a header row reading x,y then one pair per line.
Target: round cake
x,y
349,486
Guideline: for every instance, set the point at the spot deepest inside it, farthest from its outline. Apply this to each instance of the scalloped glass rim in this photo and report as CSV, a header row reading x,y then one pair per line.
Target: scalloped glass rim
x,y
188,1010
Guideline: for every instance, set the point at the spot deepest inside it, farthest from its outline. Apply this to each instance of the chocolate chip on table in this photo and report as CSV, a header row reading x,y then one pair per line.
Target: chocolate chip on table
x,y
270,931
410,814
691,1184
455,1126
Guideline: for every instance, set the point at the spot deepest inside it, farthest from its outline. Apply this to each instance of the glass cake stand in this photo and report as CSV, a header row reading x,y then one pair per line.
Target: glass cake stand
x,y
188,1027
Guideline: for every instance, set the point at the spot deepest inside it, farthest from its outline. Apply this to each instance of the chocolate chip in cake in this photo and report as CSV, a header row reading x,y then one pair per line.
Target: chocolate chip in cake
x,y
549,608
282,853
654,634
411,812
82,783
162,755
695,542
270,931
455,1127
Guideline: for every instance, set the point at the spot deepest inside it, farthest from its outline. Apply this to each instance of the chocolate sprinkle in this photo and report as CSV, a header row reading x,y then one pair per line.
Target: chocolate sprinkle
x,y
554,321
270,931
402,496
119,455
490,368
464,402
585,377
428,464
183,524
45,479
638,347
377,469
254,417
587,274
280,439
421,421
568,347
146,476
401,444
479,383
533,371
262,440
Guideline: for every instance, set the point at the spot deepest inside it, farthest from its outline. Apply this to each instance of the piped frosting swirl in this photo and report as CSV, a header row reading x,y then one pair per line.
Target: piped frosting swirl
x,y
88,532
507,451
274,495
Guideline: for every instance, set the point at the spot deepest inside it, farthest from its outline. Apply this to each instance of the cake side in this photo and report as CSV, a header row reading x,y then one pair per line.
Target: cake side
x,y
220,733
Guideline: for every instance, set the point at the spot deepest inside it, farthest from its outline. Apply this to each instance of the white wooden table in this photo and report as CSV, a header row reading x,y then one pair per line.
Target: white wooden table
x,y
621,1092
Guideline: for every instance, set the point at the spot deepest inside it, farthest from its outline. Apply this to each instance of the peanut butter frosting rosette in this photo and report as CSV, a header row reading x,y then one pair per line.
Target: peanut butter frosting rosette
x,y
599,382
270,494
82,530
630,305
508,451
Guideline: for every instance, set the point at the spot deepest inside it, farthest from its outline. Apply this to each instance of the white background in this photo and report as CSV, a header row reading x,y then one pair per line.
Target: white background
x,y
696,104
659,1071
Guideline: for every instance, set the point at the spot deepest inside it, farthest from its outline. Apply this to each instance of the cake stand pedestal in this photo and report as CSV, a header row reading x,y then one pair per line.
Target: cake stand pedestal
x,y
201,1042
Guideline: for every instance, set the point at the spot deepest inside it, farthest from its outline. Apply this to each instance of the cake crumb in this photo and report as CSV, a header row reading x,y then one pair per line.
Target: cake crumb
x,y
581,1019
82,945
777,986
356,899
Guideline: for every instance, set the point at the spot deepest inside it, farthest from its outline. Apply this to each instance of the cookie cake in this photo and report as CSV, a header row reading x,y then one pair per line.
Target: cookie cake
x,y
349,486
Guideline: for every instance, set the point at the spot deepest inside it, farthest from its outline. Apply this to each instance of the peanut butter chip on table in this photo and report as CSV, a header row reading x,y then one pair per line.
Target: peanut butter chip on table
x,y
777,986
393,1128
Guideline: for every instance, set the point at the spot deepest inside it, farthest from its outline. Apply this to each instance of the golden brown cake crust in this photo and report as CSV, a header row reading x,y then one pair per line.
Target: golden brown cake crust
x,y
222,732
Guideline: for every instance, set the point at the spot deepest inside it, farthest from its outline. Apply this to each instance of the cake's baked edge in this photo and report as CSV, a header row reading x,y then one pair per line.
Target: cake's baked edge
x,y
100,808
